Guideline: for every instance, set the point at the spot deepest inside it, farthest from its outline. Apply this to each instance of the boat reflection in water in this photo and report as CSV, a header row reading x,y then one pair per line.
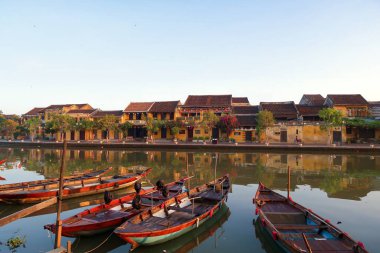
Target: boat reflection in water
x,y
184,243
68,204
192,239
264,237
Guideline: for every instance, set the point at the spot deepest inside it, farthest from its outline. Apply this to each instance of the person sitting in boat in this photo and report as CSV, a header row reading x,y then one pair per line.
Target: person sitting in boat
x,y
107,197
162,188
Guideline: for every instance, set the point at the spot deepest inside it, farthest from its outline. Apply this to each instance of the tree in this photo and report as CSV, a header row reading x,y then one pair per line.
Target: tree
x,y
108,123
8,128
32,126
265,119
60,123
125,127
209,120
331,118
152,126
228,123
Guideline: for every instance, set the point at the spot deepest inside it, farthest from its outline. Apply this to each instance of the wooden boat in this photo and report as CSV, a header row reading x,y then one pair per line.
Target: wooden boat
x,y
53,181
175,216
72,188
107,217
194,238
2,161
298,229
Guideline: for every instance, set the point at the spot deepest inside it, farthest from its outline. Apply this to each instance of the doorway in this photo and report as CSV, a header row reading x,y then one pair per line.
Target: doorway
x,y
284,136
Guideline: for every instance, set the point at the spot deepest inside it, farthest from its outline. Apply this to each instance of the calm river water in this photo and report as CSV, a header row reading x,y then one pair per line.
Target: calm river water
x,y
344,188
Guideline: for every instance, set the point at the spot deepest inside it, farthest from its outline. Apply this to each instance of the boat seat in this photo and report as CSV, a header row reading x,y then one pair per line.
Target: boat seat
x,y
70,187
299,227
289,218
185,210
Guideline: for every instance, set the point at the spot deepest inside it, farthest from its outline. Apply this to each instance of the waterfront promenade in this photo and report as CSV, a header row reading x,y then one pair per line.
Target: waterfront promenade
x,y
225,147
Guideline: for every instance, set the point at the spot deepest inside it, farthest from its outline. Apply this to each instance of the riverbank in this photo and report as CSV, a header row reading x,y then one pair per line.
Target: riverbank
x,y
225,147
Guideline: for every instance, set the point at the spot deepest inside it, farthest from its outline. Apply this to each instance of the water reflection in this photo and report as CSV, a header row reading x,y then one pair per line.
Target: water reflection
x,y
339,187
341,176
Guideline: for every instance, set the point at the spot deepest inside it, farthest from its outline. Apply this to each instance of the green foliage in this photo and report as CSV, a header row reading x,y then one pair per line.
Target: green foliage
x,y
209,120
21,130
174,130
265,119
8,127
331,118
124,128
153,125
84,124
358,122
15,242
32,126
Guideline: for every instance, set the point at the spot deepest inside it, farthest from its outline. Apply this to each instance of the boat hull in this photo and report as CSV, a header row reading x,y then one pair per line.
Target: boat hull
x,y
67,194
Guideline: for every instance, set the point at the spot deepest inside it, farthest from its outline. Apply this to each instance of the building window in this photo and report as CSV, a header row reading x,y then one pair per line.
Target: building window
x,y
131,116
348,130
172,116
154,115
296,131
197,131
138,116
206,131
182,131
236,133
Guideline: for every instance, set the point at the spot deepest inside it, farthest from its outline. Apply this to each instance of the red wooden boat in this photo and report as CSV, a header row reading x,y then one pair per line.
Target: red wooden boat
x,y
298,229
72,188
175,216
107,217
2,178
52,181
3,161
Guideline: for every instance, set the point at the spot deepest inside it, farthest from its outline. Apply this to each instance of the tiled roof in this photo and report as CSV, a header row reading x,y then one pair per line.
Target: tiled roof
x,y
139,107
34,111
58,107
164,106
309,110
208,101
240,100
84,111
347,99
314,99
374,103
246,120
282,110
245,109
99,114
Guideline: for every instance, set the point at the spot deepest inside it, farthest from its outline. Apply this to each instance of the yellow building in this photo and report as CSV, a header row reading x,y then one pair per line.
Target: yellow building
x,y
137,114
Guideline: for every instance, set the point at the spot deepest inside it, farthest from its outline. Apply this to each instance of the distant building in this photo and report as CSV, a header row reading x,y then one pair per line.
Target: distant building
x,y
351,105
309,112
374,109
240,101
282,111
312,100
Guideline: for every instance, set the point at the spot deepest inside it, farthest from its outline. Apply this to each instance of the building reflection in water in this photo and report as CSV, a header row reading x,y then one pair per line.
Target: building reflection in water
x,y
341,176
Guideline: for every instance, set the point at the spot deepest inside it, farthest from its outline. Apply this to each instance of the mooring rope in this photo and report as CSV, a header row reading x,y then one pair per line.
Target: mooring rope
x,y
108,237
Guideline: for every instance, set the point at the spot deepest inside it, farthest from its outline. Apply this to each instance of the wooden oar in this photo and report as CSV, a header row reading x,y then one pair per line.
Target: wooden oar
x,y
307,243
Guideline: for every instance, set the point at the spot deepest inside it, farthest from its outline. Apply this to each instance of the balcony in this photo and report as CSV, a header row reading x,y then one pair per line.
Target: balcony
x,y
137,122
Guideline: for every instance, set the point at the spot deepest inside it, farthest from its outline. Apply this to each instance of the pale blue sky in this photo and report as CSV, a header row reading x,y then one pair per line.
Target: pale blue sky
x,y
108,53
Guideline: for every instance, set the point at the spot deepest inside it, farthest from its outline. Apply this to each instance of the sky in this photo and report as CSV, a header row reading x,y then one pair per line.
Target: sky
x,y
109,53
